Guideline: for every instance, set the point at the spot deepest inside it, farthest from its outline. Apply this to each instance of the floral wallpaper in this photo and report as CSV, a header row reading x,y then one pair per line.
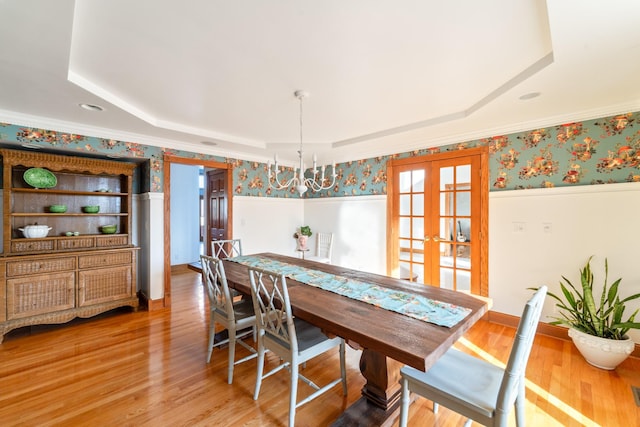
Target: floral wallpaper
x,y
601,151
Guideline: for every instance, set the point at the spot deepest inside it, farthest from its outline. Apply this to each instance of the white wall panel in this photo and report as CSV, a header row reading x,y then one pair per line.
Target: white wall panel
x,y
358,225
536,236
151,256
267,224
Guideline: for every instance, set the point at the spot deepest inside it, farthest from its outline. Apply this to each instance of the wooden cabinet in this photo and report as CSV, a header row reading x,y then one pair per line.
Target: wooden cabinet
x,y
55,278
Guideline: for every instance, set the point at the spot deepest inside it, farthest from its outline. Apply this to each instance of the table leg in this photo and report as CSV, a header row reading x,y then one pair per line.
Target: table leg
x,y
380,395
383,379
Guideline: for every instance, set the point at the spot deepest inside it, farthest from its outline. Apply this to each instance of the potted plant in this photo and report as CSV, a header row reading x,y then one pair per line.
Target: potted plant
x,y
302,235
598,331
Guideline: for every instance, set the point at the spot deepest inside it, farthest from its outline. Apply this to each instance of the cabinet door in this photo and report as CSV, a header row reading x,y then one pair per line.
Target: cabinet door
x,y
104,285
40,294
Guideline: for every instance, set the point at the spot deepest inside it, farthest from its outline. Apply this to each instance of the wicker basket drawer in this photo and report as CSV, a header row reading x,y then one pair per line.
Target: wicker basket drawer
x,y
104,259
31,245
76,243
111,241
40,266
104,285
46,293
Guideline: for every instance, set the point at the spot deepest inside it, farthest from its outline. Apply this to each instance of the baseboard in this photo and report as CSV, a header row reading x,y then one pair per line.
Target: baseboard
x,y
554,331
180,268
149,304
157,304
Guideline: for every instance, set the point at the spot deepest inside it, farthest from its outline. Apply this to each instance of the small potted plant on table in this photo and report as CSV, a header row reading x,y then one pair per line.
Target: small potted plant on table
x,y
302,235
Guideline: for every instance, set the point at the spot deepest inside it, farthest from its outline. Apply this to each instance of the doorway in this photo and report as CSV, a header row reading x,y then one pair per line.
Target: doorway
x,y
227,170
438,218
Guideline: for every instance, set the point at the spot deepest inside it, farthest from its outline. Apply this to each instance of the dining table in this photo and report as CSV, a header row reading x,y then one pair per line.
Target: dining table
x,y
388,338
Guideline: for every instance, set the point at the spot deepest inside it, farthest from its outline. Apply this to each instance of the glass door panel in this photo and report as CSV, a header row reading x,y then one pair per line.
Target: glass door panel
x,y
437,222
411,221
455,220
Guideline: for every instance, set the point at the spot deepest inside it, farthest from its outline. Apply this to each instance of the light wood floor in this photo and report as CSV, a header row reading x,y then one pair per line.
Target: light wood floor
x,y
139,369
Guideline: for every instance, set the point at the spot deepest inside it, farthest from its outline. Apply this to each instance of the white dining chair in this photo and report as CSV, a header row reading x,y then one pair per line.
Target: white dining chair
x,y
324,247
475,388
238,317
226,248
293,340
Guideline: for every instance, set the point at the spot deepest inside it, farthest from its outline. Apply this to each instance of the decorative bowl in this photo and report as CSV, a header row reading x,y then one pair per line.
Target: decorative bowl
x,y
109,229
35,231
58,208
91,209
40,178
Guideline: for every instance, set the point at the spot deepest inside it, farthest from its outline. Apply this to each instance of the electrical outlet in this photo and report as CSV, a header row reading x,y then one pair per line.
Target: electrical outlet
x,y
518,227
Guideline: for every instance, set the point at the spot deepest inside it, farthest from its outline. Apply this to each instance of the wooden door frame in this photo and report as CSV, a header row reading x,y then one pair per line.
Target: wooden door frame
x,y
168,160
392,232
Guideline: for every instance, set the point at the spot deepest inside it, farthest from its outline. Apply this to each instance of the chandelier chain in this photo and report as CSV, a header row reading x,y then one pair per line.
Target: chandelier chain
x,y
300,97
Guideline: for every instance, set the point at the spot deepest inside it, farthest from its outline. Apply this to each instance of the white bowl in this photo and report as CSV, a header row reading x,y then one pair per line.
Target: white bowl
x,y
35,231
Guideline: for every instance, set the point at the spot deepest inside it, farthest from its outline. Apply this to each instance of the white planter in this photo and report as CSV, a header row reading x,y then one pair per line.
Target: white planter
x,y
601,352
302,242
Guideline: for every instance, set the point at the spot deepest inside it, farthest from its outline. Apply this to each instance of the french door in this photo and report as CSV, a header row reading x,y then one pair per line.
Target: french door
x,y
437,223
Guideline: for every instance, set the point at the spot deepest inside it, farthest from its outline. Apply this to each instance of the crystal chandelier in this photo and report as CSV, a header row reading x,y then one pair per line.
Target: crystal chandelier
x,y
301,183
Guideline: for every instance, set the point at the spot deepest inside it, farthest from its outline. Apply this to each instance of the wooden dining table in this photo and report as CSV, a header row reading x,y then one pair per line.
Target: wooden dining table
x,y
388,339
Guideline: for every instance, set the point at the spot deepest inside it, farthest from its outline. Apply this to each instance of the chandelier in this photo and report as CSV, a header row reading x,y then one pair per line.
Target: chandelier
x,y
316,181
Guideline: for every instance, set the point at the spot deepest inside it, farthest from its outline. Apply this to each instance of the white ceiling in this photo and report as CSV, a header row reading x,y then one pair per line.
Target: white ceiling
x,y
383,76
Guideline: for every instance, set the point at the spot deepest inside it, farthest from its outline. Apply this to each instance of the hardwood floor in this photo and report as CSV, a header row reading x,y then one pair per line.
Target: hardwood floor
x,y
148,368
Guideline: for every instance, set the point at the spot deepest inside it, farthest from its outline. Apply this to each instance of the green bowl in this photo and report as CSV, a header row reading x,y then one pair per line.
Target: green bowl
x,y
108,229
91,209
58,208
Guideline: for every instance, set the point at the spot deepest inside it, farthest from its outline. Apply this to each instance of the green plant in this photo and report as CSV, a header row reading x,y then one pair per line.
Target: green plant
x,y
305,230
578,308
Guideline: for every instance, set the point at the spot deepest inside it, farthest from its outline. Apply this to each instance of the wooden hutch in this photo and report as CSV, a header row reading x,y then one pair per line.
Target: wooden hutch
x,y
76,270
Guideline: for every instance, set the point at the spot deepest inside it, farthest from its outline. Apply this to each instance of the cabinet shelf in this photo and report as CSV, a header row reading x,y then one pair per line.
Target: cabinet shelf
x,y
25,239
67,192
70,214
79,182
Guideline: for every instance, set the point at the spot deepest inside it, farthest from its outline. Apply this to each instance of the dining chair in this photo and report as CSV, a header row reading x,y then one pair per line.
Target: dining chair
x,y
292,339
324,246
237,317
473,387
226,248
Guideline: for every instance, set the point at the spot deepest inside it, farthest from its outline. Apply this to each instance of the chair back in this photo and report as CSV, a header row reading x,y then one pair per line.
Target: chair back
x,y
273,308
324,245
226,248
215,283
517,363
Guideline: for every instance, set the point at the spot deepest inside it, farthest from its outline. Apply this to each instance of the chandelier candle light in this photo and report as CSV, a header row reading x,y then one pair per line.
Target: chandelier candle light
x,y
299,181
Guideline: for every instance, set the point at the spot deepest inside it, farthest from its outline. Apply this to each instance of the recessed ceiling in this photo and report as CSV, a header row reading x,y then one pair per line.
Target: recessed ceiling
x,y
383,76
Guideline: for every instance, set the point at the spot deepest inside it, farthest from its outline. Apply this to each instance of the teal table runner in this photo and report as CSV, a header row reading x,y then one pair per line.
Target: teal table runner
x,y
412,305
